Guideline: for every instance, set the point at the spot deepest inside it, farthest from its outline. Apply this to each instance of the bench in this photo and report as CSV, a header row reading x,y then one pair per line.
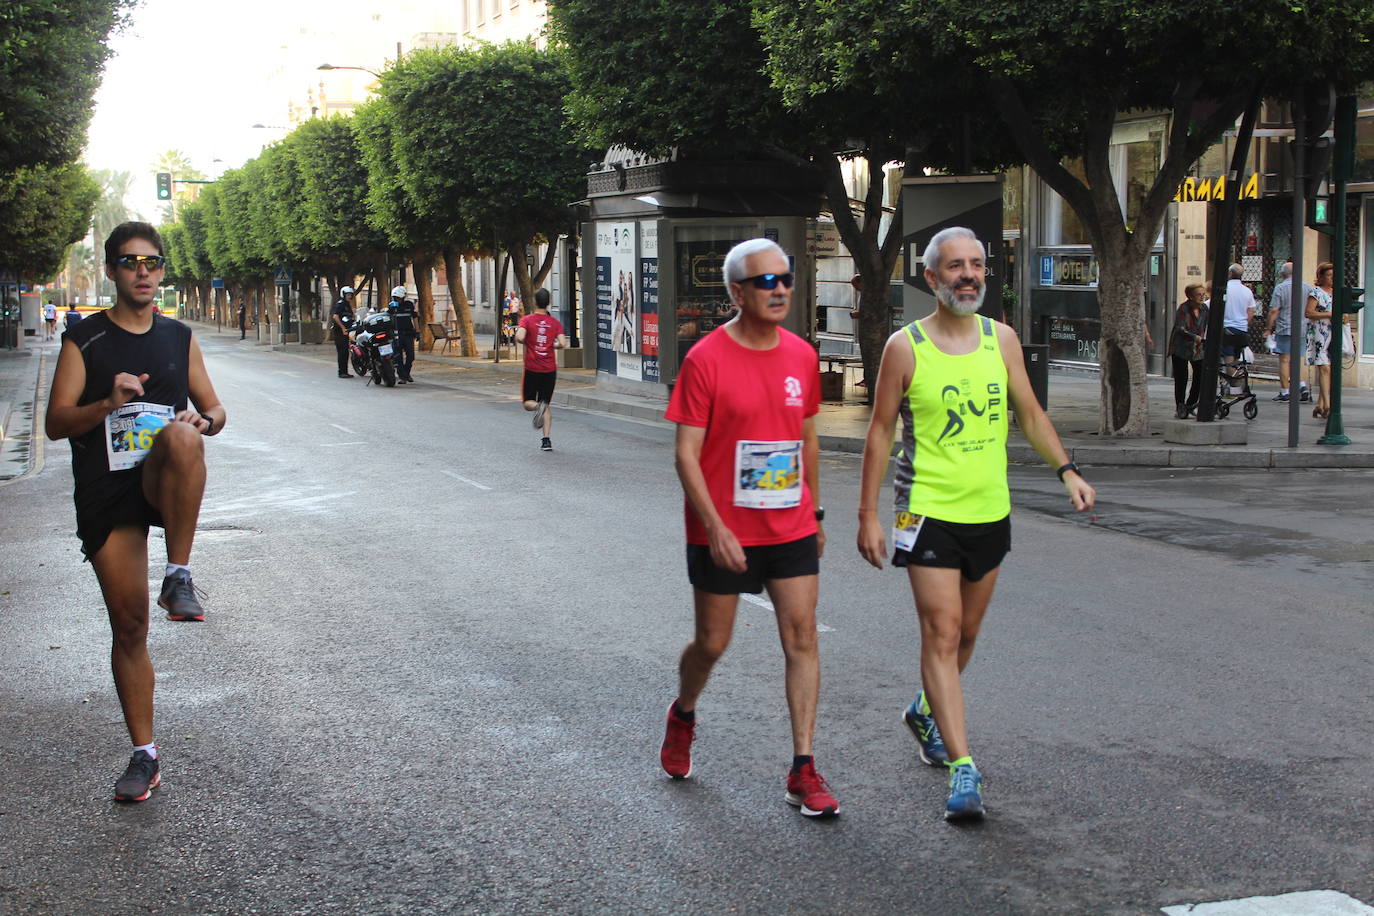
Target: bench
x,y
442,333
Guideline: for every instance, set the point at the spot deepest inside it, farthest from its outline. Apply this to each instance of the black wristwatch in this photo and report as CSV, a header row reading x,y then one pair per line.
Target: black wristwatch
x,y
1068,467
820,513
211,421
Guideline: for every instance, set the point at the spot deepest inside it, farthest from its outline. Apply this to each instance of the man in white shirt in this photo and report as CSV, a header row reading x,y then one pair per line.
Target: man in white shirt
x,y
1240,311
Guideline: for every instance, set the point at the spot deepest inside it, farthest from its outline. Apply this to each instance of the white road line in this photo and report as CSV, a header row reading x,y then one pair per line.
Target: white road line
x,y
471,483
344,429
763,602
1301,903
339,444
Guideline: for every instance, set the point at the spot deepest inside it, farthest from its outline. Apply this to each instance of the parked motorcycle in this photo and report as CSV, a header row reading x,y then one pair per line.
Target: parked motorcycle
x,y
372,349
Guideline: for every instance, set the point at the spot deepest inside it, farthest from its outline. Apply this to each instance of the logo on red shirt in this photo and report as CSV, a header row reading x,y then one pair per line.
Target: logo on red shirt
x,y
793,387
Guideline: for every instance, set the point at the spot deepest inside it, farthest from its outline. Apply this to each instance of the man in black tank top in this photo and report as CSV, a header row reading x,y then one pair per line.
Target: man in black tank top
x,y
120,393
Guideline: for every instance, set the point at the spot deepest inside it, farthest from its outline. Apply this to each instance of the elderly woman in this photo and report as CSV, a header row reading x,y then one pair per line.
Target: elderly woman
x,y
1318,315
1185,347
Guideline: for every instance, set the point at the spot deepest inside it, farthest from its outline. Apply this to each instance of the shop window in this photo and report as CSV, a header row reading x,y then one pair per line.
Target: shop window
x,y
702,301
1060,225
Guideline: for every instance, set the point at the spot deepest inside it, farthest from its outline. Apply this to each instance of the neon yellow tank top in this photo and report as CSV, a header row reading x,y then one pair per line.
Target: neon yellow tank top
x,y
953,462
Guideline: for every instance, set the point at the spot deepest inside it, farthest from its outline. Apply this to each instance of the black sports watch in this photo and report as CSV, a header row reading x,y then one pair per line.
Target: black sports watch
x,y
820,513
1066,468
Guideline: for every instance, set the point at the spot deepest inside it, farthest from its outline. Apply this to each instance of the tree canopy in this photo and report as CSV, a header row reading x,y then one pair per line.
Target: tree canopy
x,y
51,56
46,209
1057,77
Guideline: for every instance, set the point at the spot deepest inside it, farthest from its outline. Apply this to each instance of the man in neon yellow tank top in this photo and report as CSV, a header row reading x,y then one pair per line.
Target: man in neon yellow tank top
x,y
952,377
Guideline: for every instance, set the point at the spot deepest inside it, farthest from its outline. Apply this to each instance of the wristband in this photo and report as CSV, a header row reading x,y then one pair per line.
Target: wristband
x,y
211,421
1068,467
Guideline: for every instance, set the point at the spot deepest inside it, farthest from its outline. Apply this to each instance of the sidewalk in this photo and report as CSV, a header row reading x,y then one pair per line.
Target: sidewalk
x,y
1073,398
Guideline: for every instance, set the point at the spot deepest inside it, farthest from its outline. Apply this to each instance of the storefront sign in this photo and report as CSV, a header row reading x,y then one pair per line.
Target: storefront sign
x,y
1075,270
617,326
1046,270
1073,339
708,270
1215,188
648,299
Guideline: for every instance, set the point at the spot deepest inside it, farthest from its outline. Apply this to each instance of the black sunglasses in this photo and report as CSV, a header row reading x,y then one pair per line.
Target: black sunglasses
x,y
769,281
134,261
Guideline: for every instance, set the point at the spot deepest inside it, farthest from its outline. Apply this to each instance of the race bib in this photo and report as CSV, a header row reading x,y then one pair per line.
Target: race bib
x,y
131,430
905,530
768,475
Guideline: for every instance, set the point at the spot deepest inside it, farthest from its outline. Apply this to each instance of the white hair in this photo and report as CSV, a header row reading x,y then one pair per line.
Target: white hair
x,y
1236,271
732,271
932,255
1286,271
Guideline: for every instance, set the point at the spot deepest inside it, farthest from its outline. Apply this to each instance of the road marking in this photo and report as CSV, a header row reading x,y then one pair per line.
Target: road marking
x,y
339,444
471,483
763,602
344,429
1301,903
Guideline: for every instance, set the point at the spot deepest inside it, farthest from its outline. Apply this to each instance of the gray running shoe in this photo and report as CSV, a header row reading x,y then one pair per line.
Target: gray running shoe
x,y
140,778
539,413
180,598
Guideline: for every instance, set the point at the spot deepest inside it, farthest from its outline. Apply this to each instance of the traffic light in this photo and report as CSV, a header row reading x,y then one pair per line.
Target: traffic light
x,y
164,185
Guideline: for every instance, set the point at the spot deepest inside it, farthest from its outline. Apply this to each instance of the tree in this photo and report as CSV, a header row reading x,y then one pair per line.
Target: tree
x,y
82,269
51,55
334,198
46,208
638,81
484,150
1057,77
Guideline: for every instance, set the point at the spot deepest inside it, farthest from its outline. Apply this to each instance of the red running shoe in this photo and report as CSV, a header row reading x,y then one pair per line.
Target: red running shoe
x,y
807,790
676,753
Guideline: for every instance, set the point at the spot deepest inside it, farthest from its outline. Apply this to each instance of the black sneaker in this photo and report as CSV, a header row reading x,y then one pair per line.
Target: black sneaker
x,y
545,445
140,778
345,375
1281,396
179,597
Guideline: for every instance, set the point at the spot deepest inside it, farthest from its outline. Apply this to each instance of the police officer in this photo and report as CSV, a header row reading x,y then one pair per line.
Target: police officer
x,y
407,329
342,318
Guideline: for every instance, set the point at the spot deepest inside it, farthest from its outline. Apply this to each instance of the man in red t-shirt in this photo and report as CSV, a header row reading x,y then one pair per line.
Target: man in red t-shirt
x,y
747,455
541,333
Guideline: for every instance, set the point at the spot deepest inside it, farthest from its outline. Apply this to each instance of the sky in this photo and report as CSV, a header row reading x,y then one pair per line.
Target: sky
x,y
195,75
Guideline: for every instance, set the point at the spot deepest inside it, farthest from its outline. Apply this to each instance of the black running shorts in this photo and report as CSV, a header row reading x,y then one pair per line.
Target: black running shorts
x,y
538,386
109,502
767,561
975,550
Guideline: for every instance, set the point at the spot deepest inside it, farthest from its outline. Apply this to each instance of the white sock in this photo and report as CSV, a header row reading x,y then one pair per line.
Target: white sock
x,y
176,567
1283,391
150,748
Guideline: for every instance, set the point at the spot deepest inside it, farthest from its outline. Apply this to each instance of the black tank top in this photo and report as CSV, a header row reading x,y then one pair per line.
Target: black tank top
x,y
163,351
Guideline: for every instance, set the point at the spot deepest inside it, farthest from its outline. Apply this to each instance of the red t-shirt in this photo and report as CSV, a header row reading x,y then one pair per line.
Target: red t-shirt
x,y
752,404
540,333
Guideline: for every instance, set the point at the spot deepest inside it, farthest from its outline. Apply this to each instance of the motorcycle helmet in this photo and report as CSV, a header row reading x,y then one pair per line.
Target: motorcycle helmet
x,y
346,291
398,292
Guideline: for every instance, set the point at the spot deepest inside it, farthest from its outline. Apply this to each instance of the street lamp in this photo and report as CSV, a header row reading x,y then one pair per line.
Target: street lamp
x,y
333,67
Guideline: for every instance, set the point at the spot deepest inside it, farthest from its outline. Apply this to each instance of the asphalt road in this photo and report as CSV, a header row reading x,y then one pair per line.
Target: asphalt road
x,y
436,662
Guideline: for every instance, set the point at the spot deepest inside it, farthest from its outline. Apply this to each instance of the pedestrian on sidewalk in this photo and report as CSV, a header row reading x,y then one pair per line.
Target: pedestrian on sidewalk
x,y
542,334
1318,315
243,319
49,321
71,318
1240,311
952,376
120,393
406,319
1278,325
1185,348
341,316
747,456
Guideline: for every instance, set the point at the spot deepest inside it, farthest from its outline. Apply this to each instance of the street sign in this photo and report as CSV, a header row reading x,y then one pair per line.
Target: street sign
x,y
283,276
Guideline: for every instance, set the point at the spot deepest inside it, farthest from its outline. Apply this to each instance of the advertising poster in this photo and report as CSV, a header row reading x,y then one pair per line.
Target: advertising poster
x,y
617,327
648,299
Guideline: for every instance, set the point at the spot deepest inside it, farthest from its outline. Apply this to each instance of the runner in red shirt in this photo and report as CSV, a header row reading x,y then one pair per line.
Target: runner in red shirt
x,y
541,333
747,456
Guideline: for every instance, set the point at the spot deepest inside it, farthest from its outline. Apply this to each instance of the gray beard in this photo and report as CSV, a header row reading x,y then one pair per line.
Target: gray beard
x,y
945,296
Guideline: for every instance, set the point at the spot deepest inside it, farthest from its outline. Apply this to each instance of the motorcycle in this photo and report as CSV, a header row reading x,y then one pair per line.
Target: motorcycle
x,y
372,349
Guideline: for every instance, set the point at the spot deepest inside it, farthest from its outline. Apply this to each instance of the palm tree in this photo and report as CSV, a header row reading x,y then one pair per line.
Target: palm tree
x,y
81,271
110,211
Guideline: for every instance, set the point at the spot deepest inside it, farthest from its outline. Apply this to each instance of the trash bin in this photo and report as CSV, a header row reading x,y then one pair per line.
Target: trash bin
x,y
832,386
1037,357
